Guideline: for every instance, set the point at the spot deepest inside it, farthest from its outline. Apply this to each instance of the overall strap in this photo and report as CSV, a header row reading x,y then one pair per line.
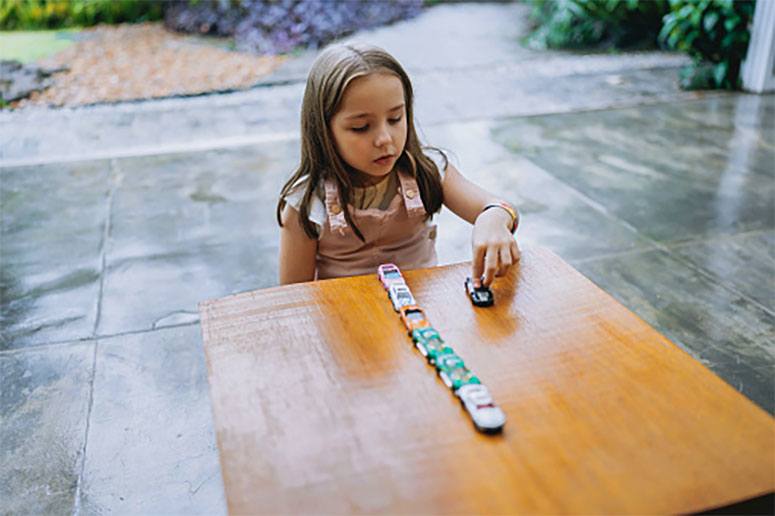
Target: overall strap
x,y
411,194
334,208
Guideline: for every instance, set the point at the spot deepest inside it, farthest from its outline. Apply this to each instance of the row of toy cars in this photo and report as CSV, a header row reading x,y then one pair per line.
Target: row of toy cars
x,y
474,396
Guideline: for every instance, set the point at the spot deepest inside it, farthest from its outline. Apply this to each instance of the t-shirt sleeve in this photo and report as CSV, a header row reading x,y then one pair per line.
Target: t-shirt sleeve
x,y
317,210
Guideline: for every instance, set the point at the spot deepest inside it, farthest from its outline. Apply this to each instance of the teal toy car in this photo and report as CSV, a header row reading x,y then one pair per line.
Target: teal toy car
x,y
453,371
430,344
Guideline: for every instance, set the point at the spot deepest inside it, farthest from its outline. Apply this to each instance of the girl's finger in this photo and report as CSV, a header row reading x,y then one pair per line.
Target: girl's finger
x,y
505,260
515,252
490,265
477,264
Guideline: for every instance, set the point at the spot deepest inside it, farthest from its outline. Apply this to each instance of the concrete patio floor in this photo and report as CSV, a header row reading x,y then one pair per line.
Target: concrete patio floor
x,y
117,220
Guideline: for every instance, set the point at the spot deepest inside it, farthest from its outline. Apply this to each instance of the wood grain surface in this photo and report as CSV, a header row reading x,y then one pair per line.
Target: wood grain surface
x,y
322,405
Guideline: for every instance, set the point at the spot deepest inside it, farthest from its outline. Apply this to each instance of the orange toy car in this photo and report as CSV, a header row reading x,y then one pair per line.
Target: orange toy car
x,y
414,318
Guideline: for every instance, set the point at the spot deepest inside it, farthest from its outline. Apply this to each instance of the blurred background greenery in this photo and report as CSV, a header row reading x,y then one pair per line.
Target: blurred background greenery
x,y
715,33
55,14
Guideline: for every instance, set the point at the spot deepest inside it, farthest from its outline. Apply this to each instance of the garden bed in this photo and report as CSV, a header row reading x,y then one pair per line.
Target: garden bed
x,y
142,61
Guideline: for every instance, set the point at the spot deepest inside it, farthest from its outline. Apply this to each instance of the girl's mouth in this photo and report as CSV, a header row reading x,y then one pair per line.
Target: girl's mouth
x,y
384,160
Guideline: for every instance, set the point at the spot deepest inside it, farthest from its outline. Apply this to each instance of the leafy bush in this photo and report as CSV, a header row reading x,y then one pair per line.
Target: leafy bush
x,y
715,33
278,26
596,23
54,14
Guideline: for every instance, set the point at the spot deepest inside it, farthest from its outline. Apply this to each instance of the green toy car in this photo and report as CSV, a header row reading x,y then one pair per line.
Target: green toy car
x,y
453,371
430,344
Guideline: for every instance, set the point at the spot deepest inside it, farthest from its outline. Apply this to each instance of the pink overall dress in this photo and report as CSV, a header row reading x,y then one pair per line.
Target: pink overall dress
x,y
400,235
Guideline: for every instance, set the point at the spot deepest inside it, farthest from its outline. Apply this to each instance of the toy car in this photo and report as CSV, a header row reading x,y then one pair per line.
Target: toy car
x,y
389,274
413,317
430,344
400,295
480,296
477,401
453,371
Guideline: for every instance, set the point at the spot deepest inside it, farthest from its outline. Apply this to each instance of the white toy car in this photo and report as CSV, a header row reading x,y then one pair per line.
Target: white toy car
x,y
400,295
477,401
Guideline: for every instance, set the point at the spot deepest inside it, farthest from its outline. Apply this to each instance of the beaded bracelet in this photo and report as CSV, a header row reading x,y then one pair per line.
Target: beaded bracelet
x,y
511,211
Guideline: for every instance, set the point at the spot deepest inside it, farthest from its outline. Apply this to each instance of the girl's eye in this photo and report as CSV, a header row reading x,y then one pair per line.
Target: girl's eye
x,y
394,120
359,129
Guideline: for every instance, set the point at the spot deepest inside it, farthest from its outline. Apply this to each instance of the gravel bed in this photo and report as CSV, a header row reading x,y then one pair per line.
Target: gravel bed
x,y
143,61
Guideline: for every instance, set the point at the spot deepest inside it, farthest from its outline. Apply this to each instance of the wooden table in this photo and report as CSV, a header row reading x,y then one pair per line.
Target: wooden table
x,y
322,405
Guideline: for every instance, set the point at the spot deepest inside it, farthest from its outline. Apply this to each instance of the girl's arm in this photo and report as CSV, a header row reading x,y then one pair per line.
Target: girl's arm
x,y
494,248
297,250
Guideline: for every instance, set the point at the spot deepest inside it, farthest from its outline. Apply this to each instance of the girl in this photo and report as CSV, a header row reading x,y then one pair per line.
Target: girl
x,y
366,189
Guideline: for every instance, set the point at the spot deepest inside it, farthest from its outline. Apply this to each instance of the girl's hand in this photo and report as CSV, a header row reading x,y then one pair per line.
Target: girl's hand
x,y
494,247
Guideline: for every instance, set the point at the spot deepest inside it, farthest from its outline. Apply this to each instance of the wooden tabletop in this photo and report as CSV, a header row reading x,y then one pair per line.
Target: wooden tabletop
x,y
322,404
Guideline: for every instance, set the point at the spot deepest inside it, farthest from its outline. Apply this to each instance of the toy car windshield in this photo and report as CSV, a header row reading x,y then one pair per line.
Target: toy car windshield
x,y
430,344
425,333
400,295
477,401
389,274
453,371
413,318
480,296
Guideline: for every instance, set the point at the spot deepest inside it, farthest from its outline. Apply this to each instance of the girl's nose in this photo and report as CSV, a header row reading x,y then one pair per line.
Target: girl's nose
x,y
382,137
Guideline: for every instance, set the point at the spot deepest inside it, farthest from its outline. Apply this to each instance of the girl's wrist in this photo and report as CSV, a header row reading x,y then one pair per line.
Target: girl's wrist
x,y
513,217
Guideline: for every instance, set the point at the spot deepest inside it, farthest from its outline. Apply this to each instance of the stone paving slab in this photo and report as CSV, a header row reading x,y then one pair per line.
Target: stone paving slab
x,y
745,263
718,180
52,230
151,445
190,227
553,214
41,136
44,404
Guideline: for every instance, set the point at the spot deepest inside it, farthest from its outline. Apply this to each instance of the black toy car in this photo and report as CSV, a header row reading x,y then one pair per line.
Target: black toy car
x,y
480,296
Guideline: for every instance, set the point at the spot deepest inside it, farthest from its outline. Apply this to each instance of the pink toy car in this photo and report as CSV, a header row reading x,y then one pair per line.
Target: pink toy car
x,y
389,274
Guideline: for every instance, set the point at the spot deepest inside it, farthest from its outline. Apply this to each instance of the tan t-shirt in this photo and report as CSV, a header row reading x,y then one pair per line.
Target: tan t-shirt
x,y
378,195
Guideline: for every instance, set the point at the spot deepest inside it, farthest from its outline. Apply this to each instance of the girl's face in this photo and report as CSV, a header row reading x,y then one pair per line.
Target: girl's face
x,y
369,130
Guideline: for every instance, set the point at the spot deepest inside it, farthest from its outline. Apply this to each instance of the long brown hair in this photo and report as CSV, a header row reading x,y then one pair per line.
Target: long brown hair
x,y
331,73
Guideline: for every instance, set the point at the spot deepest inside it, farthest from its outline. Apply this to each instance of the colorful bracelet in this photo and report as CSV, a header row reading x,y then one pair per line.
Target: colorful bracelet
x,y
511,211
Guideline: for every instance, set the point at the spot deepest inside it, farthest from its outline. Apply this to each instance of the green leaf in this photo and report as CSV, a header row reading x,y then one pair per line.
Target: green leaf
x,y
710,21
668,23
687,43
696,17
728,40
672,40
720,72
731,23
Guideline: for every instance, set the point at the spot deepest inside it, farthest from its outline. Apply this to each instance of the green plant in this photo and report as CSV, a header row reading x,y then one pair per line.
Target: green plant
x,y
596,23
52,14
715,33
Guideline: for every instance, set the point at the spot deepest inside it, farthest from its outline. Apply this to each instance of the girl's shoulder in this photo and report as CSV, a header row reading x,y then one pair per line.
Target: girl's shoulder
x,y
317,208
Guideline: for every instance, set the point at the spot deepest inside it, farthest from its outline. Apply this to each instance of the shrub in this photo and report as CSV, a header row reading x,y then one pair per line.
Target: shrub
x,y
596,23
715,33
279,26
54,14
